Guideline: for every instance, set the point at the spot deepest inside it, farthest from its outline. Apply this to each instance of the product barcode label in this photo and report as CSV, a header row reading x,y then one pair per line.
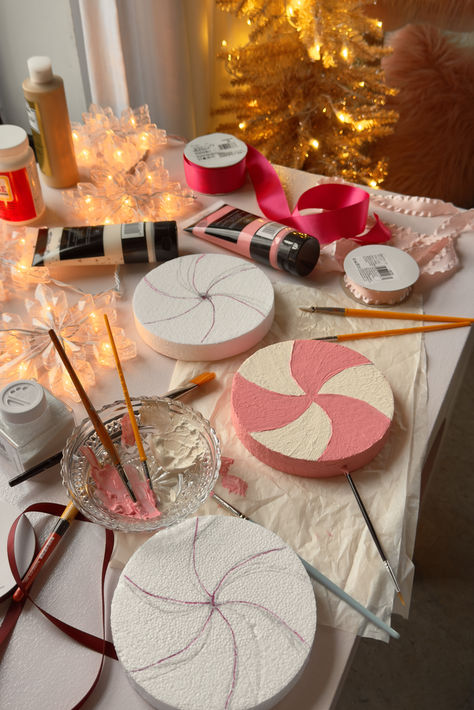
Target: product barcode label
x,y
130,231
270,230
373,268
225,146
384,272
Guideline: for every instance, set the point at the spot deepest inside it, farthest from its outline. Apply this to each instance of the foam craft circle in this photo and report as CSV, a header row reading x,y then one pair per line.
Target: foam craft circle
x,y
216,612
25,544
203,307
311,408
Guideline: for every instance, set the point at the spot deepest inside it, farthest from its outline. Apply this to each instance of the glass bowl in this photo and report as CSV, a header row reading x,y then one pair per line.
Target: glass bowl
x,y
183,459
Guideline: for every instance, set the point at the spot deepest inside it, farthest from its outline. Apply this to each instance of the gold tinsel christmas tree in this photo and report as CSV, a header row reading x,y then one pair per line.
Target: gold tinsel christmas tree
x,y
307,88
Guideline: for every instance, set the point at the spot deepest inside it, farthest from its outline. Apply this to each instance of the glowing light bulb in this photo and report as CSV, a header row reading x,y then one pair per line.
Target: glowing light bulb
x,y
345,53
242,125
344,117
314,143
373,183
314,52
224,43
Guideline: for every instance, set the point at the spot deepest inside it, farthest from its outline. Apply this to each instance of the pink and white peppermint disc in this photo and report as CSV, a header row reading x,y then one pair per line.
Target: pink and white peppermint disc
x,y
311,408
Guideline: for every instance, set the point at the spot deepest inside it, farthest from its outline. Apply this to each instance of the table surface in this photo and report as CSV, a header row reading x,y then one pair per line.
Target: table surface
x,y
318,687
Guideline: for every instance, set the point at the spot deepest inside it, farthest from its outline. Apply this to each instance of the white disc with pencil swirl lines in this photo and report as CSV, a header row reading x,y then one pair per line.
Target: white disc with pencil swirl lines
x,y
203,307
213,613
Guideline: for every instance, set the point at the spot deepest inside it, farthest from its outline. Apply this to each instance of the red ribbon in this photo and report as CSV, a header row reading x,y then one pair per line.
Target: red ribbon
x,y
345,207
100,645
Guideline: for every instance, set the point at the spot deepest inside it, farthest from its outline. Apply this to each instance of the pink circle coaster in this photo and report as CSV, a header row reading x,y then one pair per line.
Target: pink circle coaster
x,y
311,408
203,307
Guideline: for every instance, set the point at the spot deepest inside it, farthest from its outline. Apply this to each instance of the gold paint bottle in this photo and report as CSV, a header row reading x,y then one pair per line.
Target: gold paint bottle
x,y
49,120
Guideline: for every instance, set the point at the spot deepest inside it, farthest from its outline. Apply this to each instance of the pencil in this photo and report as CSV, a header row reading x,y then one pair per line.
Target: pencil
x,y
131,413
373,313
395,331
51,542
99,426
321,578
374,536
176,393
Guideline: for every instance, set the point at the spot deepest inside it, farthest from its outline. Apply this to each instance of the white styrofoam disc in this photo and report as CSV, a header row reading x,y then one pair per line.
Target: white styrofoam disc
x,y
25,542
203,307
216,612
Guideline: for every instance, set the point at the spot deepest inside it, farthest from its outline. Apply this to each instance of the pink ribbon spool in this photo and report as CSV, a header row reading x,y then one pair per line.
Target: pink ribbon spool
x,y
215,164
218,163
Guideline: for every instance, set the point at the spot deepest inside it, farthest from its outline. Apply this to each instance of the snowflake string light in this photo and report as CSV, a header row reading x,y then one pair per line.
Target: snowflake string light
x,y
26,350
16,273
129,182
106,139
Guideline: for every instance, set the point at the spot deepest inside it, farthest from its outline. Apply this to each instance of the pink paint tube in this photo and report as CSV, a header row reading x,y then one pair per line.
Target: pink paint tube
x,y
256,238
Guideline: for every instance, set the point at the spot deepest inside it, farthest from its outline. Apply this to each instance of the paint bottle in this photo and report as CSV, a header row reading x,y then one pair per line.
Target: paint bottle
x,y
49,120
33,424
257,238
135,243
21,200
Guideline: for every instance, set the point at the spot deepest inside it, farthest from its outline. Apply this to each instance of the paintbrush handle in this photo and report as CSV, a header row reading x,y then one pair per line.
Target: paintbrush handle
x,y
398,315
320,577
131,413
97,422
89,407
374,313
394,331
366,517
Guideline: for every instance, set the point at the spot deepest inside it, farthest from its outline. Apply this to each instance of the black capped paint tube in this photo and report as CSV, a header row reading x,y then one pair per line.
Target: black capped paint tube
x,y
140,242
256,238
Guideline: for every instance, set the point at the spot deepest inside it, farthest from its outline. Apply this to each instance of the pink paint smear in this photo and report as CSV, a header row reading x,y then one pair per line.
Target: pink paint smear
x,y
112,492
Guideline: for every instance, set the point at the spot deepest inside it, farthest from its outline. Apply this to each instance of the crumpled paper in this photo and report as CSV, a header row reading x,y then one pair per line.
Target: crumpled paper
x,y
320,518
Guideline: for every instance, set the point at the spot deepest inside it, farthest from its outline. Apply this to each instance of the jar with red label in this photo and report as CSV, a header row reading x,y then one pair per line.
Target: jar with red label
x,y
21,200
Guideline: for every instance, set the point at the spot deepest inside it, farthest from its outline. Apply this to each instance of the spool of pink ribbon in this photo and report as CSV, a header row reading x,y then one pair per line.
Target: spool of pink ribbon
x,y
218,164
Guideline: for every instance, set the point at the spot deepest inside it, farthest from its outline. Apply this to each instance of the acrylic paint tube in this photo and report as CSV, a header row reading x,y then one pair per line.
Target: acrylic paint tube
x,y
256,238
140,242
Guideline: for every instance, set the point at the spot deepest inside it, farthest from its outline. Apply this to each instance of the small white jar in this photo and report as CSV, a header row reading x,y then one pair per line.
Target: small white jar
x,y
34,424
21,199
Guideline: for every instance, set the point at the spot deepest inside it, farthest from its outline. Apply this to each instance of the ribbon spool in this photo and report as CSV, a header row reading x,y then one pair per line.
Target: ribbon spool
x,y
379,275
217,163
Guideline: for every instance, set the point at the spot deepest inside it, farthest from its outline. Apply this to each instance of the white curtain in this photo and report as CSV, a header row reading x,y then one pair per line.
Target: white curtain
x,y
161,53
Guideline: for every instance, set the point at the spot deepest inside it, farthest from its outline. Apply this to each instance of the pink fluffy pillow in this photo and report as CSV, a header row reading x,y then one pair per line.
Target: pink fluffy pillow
x,y
456,15
431,151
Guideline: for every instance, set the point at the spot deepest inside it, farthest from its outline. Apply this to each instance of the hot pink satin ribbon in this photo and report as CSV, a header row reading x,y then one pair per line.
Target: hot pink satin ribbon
x,y
345,207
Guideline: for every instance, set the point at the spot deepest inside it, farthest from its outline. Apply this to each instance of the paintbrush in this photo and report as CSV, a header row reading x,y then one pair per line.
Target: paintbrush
x,y
190,385
374,313
374,535
131,413
99,426
395,331
320,577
